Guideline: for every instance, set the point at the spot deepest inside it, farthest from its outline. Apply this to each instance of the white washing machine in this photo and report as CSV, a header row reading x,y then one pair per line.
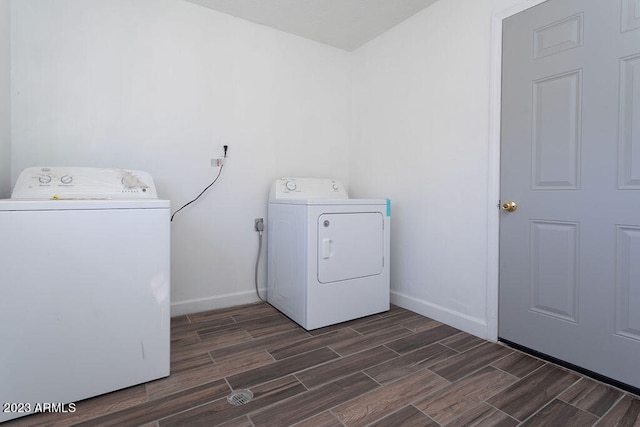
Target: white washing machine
x,y
328,255
84,286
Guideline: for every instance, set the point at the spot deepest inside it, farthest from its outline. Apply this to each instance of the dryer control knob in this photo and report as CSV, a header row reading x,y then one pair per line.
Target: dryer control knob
x,y
291,186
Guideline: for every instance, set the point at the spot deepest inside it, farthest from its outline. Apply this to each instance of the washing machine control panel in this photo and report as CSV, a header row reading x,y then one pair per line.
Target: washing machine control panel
x,y
83,183
308,188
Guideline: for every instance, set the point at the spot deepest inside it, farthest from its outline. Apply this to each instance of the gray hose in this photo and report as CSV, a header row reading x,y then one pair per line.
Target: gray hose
x,y
257,264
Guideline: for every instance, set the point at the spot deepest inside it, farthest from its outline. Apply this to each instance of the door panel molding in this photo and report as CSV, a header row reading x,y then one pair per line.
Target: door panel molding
x,y
559,36
627,281
556,137
553,266
630,15
629,130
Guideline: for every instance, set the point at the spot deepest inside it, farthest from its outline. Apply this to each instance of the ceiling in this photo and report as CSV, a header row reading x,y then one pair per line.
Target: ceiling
x,y
345,24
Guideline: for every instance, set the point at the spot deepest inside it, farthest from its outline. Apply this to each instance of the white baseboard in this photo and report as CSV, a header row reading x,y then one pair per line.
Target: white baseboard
x,y
179,308
471,325
461,321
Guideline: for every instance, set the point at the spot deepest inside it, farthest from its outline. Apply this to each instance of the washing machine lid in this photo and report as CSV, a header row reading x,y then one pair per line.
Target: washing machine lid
x,y
83,183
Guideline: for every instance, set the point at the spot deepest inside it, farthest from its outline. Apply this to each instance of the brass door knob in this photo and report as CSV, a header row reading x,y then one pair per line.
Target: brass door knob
x,y
509,206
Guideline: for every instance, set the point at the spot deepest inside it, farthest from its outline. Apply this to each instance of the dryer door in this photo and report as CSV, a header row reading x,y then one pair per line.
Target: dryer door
x,y
350,245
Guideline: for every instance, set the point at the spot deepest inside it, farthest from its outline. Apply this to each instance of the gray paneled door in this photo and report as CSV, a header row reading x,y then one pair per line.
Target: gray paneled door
x,y
570,159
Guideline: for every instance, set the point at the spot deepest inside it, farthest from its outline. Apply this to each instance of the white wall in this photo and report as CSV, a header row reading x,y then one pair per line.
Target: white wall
x,y
161,85
5,100
421,136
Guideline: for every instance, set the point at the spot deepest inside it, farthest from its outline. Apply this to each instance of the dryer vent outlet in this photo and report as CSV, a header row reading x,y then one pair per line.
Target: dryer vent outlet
x,y
258,224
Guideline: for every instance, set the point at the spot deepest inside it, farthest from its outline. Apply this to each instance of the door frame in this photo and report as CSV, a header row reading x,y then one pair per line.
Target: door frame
x,y
493,199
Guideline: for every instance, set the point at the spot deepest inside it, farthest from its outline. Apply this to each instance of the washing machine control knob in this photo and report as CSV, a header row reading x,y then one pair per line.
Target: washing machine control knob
x,y
291,186
66,179
335,186
45,179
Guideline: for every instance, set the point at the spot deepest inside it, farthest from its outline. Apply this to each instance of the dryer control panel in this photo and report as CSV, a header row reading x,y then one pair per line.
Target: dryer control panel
x,y
308,188
83,183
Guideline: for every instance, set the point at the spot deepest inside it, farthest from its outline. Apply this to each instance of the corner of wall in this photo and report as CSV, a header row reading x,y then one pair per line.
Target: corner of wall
x,y
466,323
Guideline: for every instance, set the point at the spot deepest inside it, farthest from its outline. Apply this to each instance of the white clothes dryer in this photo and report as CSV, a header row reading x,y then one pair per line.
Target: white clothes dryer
x,y
85,286
328,255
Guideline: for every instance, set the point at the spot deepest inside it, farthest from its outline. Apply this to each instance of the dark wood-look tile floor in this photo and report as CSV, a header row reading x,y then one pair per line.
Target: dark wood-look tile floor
x,y
392,369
